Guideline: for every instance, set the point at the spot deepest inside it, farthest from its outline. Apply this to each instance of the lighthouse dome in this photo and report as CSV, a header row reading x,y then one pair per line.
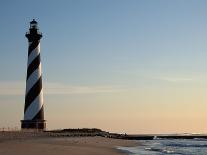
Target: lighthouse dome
x,y
33,24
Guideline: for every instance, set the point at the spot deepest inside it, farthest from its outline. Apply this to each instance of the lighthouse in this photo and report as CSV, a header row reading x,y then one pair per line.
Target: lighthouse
x,y
33,109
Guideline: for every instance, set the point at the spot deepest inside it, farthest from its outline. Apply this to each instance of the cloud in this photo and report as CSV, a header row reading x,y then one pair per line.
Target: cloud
x,y
58,88
12,88
18,88
174,79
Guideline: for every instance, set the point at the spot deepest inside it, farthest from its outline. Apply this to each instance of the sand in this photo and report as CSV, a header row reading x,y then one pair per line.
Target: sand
x,y
61,146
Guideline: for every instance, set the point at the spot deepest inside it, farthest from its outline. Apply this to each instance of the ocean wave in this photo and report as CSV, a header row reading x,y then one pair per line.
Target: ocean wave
x,y
162,150
187,145
171,147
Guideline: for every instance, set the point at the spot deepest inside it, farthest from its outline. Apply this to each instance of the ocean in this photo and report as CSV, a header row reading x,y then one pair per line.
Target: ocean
x,y
168,146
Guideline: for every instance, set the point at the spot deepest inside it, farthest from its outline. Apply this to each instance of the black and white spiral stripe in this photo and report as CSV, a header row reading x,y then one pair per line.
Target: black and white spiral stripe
x,y
34,95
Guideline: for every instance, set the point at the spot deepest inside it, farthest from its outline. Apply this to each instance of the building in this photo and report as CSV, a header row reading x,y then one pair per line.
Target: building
x,y
34,110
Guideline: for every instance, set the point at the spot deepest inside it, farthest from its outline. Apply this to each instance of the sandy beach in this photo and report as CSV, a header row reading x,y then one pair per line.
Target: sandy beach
x,y
61,145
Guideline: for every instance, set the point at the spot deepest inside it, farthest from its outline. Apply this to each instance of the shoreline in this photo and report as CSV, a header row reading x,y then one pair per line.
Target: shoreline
x,y
21,143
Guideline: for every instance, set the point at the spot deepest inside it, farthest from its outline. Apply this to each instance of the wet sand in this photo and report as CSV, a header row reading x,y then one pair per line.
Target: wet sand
x,y
61,145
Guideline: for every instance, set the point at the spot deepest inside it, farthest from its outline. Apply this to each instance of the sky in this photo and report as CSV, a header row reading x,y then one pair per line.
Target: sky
x,y
135,66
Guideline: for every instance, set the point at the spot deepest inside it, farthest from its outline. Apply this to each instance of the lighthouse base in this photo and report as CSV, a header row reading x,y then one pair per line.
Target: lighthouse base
x,y
37,125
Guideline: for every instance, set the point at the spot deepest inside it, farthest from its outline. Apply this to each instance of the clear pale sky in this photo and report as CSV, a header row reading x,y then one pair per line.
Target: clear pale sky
x,y
137,66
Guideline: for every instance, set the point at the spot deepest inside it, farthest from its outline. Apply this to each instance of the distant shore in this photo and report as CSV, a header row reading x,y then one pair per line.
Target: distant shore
x,y
33,143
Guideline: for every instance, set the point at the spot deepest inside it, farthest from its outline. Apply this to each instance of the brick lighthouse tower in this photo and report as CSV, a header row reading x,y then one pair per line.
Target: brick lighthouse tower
x,y
33,110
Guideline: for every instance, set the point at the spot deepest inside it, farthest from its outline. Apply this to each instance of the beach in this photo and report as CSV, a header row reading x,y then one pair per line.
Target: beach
x,y
20,144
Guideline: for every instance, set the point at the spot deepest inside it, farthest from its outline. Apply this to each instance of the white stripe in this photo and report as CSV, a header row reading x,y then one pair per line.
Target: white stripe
x,y
33,78
33,54
34,107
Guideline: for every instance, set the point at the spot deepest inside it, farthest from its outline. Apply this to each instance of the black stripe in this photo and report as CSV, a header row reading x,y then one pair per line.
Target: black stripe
x,y
33,66
33,46
33,93
39,115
